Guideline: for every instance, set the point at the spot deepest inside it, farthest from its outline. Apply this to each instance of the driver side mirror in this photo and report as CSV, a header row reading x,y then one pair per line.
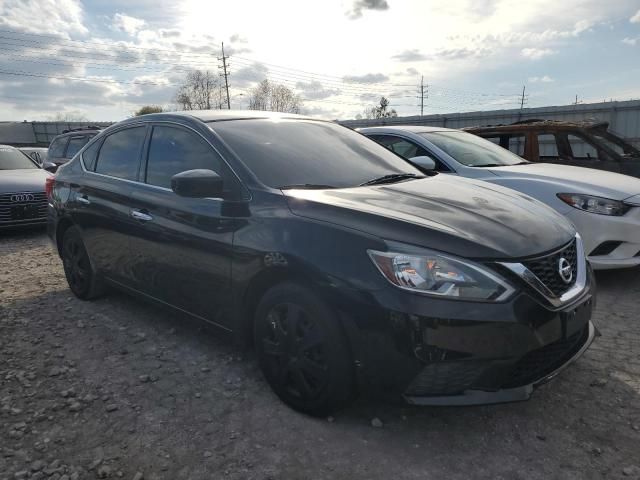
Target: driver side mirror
x,y
200,183
423,162
49,166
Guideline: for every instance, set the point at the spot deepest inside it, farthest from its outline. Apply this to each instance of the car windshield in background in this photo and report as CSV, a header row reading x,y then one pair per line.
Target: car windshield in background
x,y
471,150
309,154
12,159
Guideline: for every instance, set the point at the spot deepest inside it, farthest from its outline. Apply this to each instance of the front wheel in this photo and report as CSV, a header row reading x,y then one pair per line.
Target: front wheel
x,y
83,281
302,350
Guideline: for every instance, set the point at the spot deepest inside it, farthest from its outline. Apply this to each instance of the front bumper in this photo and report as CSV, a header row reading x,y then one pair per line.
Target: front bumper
x,y
598,230
447,352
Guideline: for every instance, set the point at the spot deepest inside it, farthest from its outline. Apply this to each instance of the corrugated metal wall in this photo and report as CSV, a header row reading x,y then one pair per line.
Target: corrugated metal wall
x,y
623,117
37,133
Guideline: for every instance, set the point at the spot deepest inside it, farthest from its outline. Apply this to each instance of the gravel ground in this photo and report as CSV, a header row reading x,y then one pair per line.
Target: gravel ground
x,y
118,388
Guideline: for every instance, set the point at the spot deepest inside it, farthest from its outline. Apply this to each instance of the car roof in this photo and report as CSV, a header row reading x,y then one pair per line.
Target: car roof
x,y
405,128
538,124
222,115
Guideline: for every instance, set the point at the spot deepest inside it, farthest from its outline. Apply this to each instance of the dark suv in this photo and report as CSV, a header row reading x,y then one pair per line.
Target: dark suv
x,y
348,269
582,144
64,146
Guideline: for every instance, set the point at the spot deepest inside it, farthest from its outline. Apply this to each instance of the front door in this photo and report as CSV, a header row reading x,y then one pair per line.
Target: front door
x,y
181,247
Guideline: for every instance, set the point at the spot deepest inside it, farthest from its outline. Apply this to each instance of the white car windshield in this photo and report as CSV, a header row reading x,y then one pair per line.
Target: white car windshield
x,y
12,159
471,150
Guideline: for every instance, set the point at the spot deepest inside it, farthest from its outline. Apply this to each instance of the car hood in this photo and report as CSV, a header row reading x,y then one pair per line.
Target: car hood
x,y
31,180
575,179
460,216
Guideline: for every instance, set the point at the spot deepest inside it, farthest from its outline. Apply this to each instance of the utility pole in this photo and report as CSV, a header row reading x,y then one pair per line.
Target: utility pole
x,y
522,101
424,90
226,76
576,99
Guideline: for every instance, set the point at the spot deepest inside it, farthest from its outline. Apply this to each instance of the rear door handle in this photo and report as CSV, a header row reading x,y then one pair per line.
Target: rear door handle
x,y
140,215
84,199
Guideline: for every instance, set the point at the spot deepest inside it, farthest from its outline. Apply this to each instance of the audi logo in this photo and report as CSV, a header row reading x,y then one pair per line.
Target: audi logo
x,y
22,197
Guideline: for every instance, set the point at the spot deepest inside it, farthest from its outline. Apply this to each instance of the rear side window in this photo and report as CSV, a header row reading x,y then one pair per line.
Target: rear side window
x,y
90,155
56,149
120,153
173,150
75,144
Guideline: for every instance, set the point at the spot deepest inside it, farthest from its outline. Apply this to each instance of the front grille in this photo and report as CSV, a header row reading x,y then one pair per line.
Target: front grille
x,y
547,269
539,363
22,207
447,378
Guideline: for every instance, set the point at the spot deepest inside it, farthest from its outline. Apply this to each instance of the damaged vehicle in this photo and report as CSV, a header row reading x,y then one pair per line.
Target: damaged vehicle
x,y
581,144
347,268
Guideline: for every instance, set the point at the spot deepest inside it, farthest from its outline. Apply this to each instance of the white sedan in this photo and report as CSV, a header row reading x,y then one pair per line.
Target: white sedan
x,y
604,206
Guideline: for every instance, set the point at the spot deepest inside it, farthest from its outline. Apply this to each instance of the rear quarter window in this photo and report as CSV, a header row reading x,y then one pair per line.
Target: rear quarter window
x,y
90,155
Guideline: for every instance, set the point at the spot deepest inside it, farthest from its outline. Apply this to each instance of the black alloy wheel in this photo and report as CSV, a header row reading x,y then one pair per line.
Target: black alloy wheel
x,y
81,278
302,350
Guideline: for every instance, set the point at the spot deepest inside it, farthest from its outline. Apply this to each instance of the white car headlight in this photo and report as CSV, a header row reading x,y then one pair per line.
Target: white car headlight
x,y
440,275
592,204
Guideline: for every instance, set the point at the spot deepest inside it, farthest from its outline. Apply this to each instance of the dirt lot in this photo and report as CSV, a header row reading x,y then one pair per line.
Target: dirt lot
x,y
117,388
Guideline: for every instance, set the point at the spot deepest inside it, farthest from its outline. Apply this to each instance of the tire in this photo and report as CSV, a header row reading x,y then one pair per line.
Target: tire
x,y
302,350
82,279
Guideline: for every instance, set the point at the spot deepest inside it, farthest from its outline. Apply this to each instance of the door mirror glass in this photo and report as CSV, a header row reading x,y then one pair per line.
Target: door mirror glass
x,y
198,183
423,162
49,166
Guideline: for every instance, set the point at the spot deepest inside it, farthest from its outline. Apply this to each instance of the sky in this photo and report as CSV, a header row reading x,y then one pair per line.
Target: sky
x,y
102,60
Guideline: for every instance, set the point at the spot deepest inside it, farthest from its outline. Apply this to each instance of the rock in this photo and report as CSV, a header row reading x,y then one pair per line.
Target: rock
x,y
37,466
144,378
20,474
598,382
65,477
631,470
207,454
205,369
104,471
542,438
138,476
54,372
596,451
330,419
377,423
75,407
112,407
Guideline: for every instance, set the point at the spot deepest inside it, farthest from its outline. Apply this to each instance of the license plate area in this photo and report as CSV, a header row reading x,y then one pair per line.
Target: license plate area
x,y
23,212
576,319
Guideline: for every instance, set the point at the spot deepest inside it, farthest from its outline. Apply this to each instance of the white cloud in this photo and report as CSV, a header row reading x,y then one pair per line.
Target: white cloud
x,y
635,18
127,24
631,41
61,17
536,53
543,79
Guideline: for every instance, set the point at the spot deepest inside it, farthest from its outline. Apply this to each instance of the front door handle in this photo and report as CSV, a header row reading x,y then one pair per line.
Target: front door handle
x,y
83,199
140,215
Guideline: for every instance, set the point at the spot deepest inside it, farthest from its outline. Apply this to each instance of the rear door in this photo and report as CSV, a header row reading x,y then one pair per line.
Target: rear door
x,y
182,246
101,204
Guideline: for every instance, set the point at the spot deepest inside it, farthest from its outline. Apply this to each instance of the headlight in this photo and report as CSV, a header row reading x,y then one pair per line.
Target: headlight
x,y
440,275
599,205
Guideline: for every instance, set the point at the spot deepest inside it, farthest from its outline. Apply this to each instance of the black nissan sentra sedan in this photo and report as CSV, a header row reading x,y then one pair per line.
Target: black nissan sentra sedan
x,y
346,268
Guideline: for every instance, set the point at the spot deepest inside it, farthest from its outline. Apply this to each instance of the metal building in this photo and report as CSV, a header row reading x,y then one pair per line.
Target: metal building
x,y
38,134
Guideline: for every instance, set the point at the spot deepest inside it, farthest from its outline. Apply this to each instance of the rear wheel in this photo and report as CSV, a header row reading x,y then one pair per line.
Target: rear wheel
x,y
302,350
82,280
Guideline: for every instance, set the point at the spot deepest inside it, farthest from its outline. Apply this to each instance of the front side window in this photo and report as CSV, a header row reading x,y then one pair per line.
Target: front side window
x,y
13,159
75,144
120,153
471,150
173,150
407,149
283,153
56,149
581,149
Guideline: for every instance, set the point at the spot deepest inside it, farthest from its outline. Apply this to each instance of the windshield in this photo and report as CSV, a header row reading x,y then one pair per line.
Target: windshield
x,y
471,150
307,153
12,159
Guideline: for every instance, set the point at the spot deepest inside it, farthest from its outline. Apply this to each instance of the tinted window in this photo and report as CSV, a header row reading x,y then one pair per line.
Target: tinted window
x,y
470,150
119,154
298,152
90,155
13,159
75,144
407,149
56,149
174,150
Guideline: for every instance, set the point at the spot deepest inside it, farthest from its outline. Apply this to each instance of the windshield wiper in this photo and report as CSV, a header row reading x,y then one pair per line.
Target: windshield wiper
x,y
306,186
394,177
489,165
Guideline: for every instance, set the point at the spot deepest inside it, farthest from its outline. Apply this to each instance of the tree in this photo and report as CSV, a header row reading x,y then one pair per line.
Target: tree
x,y
148,109
380,110
274,97
68,117
200,91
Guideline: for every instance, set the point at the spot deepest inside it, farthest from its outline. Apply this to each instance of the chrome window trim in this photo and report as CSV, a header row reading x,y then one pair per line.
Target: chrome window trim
x,y
571,294
151,124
